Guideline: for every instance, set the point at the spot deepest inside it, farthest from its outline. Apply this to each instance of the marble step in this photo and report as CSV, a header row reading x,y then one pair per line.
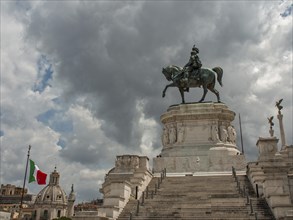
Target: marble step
x,y
194,197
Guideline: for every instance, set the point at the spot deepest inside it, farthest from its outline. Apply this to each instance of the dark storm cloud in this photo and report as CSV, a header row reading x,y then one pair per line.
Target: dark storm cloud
x,y
112,53
113,61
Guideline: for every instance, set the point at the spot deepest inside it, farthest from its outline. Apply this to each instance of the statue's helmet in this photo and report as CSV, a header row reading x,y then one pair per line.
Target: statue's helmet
x,y
194,50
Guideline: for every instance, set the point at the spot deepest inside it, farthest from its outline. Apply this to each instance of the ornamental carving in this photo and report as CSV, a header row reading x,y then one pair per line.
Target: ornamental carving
x,y
165,136
172,134
215,133
231,134
180,133
127,162
224,134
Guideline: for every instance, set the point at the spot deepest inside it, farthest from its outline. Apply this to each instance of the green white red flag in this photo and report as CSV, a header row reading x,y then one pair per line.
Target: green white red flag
x,y
36,174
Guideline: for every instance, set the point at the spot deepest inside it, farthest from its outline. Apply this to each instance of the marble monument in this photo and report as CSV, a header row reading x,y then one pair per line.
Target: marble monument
x,y
198,137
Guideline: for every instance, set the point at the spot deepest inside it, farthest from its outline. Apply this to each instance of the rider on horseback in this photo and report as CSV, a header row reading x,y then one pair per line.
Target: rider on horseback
x,y
192,68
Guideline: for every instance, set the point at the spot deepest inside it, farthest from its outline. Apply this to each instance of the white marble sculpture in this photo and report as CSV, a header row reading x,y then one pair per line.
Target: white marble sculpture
x,y
180,133
232,134
172,134
224,134
165,136
215,133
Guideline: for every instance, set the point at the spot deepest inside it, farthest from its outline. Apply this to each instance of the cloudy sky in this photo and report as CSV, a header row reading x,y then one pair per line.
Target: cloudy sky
x,y
81,81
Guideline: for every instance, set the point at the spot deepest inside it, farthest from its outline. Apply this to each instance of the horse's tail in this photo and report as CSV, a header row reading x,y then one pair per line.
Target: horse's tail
x,y
219,72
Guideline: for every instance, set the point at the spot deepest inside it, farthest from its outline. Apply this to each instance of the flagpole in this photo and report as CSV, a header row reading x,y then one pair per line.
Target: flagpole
x,y
21,200
241,134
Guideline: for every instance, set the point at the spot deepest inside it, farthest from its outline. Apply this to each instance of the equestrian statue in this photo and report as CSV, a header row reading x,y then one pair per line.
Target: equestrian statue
x,y
193,75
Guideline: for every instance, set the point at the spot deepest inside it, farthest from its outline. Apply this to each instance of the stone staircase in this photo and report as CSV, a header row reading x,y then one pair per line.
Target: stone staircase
x,y
198,197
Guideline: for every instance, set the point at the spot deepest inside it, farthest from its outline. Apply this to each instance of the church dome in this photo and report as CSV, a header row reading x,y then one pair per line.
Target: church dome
x,y
52,194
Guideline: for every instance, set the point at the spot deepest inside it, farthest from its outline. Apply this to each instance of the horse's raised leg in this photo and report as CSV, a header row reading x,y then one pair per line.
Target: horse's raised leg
x,y
213,90
166,87
205,90
181,90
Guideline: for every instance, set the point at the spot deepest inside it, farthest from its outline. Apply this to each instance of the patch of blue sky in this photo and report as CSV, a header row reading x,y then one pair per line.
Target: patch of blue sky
x,y
1,133
61,143
46,116
62,126
45,74
288,11
54,120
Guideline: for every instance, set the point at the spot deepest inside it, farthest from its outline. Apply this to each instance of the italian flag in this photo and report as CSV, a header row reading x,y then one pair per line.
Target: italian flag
x,y
36,174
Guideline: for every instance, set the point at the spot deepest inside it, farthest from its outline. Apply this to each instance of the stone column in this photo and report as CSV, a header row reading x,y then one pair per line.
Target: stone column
x,y
70,204
38,215
290,180
282,132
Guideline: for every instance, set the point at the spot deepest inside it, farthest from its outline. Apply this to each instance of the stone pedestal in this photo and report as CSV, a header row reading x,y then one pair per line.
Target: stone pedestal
x,y
198,137
267,148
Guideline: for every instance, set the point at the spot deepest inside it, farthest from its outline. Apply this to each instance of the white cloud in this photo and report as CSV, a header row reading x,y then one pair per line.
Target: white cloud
x,y
264,82
149,136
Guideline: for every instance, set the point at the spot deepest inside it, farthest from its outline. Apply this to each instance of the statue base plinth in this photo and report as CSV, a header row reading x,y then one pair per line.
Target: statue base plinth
x,y
199,137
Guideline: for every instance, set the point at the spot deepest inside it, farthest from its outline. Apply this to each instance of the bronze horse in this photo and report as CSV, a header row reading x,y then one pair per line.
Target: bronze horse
x,y
207,80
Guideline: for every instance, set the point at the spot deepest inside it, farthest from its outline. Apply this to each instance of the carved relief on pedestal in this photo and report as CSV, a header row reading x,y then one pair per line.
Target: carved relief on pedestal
x,y
215,133
223,133
231,134
172,134
180,133
127,162
165,136
134,162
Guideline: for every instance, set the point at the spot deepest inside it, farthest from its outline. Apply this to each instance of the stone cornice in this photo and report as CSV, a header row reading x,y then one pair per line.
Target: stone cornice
x,y
198,111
